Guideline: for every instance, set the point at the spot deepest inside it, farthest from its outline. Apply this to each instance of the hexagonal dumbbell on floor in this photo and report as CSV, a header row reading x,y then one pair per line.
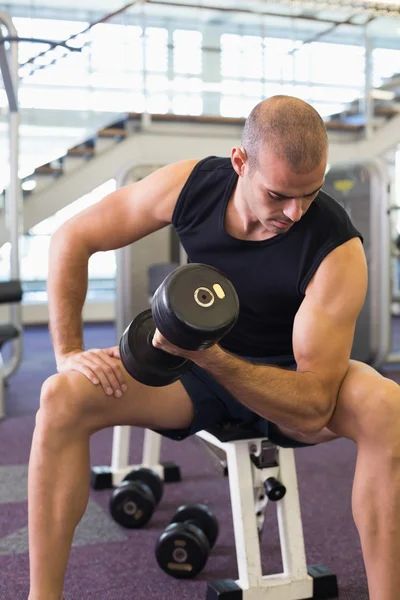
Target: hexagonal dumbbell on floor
x,y
183,548
132,503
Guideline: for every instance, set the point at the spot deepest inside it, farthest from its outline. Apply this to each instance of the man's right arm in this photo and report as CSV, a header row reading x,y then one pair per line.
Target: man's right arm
x,y
121,218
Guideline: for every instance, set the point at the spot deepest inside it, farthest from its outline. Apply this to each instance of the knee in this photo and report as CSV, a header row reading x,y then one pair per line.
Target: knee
x,y
380,415
62,404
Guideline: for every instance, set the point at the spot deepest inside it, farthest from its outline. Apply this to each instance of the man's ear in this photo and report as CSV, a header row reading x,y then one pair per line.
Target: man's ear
x,y
239,160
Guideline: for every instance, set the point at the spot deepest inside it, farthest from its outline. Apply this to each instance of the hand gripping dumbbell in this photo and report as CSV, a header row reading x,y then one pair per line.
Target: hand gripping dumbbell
x,y
193,308
183,548
133,502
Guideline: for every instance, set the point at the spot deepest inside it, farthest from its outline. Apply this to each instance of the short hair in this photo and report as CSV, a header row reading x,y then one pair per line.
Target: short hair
x,y
291,127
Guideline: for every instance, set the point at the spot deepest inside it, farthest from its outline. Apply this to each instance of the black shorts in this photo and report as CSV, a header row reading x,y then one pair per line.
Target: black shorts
x,y
214,407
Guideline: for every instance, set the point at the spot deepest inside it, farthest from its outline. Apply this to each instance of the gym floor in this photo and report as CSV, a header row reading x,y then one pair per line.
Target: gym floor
x,y
111,563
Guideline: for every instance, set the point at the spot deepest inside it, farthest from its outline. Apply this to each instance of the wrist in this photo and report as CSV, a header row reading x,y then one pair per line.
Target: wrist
x,y
206,358
63,353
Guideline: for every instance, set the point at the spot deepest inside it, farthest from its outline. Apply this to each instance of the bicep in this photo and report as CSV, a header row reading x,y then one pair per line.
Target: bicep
x,y
324,325
131,212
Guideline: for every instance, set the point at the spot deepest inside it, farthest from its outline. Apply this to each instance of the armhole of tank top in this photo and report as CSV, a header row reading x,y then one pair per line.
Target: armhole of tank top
x,y
323,253
177,212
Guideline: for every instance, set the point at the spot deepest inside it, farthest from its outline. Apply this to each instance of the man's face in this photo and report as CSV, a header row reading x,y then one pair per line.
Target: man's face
x,y
276,196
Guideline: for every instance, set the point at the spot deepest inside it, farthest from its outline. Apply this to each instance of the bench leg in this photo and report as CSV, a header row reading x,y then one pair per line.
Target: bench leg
x,y
104,477
294,583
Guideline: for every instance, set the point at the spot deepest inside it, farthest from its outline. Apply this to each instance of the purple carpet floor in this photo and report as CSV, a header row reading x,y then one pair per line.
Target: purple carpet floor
x,y
108,562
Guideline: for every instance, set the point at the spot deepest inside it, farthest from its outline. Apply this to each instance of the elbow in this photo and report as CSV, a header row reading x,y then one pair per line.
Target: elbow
x,y
320,416
66,240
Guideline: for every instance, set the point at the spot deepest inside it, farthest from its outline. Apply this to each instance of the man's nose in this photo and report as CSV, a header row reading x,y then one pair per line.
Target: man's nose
x,y
293,209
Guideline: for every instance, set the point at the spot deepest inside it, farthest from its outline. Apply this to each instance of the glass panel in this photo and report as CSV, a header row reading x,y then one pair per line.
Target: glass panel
x,y
187,104
336,56
386,62
157,103
232,106
187,51
252,57
156,49
187,84
35,247
116,47
278,63
231,55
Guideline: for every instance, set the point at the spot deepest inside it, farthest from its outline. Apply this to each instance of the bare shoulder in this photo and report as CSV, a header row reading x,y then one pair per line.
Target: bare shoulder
x,y
164,185
342,278
129,213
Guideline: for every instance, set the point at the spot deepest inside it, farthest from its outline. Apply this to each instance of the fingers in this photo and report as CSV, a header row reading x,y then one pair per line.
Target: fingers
x,y
108,371
158,339
114,352
100,368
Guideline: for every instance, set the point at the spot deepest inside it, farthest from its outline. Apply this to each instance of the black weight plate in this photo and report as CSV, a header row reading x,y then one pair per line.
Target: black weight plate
x,y
148,477
201,516
132,504
195,306
144,362
182,550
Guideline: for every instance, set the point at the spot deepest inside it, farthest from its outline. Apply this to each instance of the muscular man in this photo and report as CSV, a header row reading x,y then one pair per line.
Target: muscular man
x,y
300,272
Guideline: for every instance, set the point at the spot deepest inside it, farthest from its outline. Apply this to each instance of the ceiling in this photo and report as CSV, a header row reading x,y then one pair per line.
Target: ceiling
x,y
301,18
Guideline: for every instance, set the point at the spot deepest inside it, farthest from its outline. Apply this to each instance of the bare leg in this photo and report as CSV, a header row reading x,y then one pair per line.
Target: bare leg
x,y
368,412
58,488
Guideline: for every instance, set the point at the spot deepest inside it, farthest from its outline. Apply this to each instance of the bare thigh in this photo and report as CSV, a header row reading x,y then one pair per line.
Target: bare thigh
x,y
71,393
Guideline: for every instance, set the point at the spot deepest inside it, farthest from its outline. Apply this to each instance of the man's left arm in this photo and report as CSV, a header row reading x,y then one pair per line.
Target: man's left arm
x,y
323,332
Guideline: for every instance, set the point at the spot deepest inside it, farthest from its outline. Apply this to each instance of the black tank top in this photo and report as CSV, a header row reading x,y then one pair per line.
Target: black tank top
x,y
270,276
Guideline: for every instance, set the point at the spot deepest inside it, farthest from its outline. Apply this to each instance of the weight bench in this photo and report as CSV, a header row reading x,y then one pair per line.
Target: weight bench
x,y
258,472
10,292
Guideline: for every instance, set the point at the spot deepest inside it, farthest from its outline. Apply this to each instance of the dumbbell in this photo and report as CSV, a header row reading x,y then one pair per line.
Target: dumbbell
x,y
183,548
133,502
193,308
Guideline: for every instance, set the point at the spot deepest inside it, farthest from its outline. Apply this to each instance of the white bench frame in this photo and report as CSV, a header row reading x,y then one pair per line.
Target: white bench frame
x,y
246,482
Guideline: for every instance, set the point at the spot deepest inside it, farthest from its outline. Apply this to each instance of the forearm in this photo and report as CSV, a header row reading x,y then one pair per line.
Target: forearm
x,y
67,288
293,399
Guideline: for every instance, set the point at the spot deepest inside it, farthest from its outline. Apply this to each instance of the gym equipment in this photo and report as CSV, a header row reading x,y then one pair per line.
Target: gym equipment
x,y
274,490
258,472
193,308
10,291
132,504
364,192
183,548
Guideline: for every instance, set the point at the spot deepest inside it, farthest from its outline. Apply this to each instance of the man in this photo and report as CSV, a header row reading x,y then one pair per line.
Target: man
x,y
300,271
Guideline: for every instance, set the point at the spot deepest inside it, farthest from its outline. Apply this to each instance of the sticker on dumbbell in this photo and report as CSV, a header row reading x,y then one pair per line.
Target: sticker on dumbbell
x,y
219,291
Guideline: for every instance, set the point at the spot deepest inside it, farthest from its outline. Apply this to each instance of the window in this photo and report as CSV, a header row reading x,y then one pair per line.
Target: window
x,y
278,62
187,56
241,56
35,253
50,29
386,63
156,57
116,48
337,55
